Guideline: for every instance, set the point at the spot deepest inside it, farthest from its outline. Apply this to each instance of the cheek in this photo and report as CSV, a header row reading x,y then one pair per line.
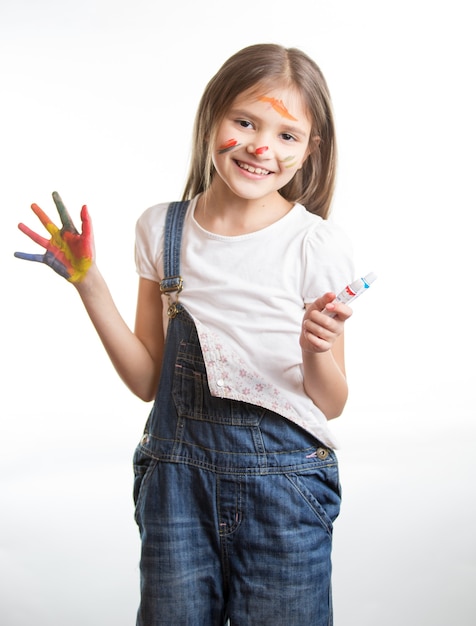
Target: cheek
x,y
227,145
294,159
290,161
220,158
225,138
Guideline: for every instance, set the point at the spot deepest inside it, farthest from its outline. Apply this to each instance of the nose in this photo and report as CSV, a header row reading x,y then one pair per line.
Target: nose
x,y
258,151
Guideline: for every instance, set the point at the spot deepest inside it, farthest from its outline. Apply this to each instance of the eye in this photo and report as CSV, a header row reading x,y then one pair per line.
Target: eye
x,y
288,137
245,123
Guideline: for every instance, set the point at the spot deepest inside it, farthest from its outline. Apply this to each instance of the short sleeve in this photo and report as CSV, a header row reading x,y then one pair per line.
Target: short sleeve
x,y
149,242
328,263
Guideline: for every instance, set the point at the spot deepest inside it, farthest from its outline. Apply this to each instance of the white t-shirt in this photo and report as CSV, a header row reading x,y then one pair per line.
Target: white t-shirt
x,y
246,295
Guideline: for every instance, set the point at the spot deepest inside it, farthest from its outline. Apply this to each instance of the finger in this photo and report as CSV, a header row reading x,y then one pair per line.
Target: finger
x,y
320,303
59,267
30,257
54,231
338,310
316,342
63,213
49,259
34,236
317,331
326,299
41,215
86,226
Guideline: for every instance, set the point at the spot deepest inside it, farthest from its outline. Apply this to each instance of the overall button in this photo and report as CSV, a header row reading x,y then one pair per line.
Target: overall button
x,y
172,310
322,453
144,440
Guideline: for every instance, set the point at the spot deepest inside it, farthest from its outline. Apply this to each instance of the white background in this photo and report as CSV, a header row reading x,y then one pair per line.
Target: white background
x,y
97,102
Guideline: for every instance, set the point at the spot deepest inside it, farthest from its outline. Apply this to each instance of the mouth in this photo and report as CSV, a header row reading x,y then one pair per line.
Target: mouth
x,y
253,169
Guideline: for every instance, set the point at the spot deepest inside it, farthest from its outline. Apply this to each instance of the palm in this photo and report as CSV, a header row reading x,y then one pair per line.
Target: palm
x,y
68,252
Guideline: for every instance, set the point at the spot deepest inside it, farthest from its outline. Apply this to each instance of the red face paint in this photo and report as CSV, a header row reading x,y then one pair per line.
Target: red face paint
x,y
261,150
228,145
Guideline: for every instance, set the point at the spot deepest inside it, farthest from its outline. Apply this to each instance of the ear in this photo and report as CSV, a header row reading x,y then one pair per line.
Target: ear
x,y
314,143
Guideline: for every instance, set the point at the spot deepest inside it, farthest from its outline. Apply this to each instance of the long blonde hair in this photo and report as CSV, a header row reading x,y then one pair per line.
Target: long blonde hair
x,y
268,65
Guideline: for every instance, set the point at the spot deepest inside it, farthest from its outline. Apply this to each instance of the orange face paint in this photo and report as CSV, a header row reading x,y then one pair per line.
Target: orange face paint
x,y
279,107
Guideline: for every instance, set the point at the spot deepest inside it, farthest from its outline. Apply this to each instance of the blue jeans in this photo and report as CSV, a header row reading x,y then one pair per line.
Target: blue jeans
x,y
235,506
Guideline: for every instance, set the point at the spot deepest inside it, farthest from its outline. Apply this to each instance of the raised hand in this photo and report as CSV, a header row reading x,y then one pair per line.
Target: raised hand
x,y
68,252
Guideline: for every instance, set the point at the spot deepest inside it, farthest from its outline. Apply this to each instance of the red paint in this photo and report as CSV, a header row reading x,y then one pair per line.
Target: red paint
x,y
228,145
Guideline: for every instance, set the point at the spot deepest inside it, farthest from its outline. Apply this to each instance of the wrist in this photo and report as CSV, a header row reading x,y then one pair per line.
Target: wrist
x,y
89,281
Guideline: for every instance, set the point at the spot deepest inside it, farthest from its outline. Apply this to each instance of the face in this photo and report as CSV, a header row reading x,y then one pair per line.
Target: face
x,y
262,142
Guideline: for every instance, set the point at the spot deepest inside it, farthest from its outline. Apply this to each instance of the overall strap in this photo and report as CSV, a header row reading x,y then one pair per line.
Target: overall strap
x,y
172,281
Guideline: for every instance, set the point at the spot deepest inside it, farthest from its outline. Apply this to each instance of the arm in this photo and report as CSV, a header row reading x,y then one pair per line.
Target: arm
x,y
322,344
136,356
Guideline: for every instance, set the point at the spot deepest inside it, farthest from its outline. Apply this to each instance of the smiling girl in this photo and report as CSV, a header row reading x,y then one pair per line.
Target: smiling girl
x,y
236,478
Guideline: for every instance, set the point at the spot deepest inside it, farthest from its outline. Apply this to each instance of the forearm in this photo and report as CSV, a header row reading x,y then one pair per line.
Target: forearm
x,y
325,382
131,359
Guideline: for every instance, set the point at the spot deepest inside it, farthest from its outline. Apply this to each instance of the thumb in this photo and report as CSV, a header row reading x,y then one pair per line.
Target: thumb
x,y
86,225
322,301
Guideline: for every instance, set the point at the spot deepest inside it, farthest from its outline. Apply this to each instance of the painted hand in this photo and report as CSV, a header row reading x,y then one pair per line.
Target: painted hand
x,y
68,252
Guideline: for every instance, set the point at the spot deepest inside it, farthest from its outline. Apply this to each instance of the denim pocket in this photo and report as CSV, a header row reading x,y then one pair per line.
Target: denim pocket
x,y
321,491
191,392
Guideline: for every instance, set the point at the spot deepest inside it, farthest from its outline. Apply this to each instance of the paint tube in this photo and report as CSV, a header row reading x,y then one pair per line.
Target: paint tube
x,y
353,291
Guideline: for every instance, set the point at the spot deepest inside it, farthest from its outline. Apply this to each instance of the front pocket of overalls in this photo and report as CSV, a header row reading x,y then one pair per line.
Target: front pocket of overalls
x,y
191,392
320,489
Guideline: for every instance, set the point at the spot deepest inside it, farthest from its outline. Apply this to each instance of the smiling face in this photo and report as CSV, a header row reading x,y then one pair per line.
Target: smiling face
x,y
261,143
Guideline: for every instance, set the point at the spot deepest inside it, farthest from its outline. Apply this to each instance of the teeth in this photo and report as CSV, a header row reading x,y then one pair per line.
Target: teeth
x,y
253,170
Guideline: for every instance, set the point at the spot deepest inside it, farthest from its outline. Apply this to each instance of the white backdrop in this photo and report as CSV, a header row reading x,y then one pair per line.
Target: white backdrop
x,y
97,102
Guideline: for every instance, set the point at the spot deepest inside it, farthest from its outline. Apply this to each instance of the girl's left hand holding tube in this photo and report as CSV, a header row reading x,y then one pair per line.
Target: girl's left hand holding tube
x,y
68,252
320,331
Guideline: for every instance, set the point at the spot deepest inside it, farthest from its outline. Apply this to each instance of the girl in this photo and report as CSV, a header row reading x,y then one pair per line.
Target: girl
x,y
236,481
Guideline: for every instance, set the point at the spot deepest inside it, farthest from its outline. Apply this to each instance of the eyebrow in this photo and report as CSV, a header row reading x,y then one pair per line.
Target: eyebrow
x,y
293,130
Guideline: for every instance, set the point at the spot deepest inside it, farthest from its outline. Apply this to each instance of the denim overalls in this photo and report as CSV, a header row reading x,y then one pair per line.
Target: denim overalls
x,y
235,504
